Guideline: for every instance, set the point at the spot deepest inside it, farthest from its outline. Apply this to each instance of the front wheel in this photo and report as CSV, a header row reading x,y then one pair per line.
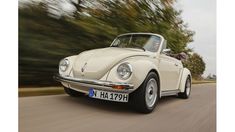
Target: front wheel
x,y
145,98
187,90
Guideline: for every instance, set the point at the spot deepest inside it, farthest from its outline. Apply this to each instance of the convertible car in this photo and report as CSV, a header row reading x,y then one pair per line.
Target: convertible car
x,y
136,68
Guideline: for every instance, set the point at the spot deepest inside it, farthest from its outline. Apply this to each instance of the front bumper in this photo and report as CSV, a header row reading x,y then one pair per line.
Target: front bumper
x,y
75,83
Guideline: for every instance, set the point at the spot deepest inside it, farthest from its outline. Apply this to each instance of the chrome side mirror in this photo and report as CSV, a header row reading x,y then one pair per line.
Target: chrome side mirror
x,y
166,51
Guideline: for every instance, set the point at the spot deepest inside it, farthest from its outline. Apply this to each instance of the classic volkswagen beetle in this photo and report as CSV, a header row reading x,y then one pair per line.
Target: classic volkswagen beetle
x,y
136,68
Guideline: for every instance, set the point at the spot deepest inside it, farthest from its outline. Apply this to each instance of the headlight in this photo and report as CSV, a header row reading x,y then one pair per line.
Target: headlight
x,y
124,71
64,64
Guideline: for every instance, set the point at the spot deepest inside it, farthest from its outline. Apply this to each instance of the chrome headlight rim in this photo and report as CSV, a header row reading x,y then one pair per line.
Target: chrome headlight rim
x,y
127,66
63,65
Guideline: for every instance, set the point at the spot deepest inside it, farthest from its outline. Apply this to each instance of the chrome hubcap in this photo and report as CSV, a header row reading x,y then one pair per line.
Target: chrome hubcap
x,y
188,87
151,92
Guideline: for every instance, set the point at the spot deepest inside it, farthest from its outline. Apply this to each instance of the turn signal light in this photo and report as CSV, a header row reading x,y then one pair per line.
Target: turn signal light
x,y
118,87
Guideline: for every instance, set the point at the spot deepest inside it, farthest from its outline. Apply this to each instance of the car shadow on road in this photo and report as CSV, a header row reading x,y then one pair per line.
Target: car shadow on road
x,y
109,106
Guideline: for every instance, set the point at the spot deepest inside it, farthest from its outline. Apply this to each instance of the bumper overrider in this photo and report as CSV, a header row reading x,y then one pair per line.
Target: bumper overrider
x,y
97,84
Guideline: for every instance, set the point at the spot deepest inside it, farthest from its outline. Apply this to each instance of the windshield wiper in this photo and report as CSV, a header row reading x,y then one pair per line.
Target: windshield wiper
x,y
139,47
114,46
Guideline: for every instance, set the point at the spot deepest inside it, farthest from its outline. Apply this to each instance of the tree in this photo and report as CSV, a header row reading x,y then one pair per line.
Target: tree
x,y
48,34
211,77
196,65
145,16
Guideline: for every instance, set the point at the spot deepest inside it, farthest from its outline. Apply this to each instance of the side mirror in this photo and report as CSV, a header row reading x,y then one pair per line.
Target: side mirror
x,y
166,51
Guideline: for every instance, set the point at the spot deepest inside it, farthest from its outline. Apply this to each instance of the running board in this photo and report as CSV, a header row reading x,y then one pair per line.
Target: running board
x,y
169,92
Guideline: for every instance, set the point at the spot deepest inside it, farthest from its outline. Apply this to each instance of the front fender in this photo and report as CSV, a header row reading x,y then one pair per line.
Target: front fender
x,y
141,66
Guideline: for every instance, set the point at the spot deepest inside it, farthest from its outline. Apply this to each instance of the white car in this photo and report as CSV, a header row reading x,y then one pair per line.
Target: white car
x,y
134,69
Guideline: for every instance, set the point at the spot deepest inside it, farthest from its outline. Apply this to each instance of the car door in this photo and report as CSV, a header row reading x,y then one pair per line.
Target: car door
x,y
170,70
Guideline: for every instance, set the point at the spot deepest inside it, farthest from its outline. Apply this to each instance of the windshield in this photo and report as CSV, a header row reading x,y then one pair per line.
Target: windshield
x,y
145,42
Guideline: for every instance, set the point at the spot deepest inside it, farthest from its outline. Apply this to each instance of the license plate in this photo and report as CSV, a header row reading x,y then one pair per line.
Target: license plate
x,y
111,96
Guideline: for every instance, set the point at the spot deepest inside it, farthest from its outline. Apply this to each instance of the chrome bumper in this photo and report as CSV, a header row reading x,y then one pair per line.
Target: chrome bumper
x,y
98,84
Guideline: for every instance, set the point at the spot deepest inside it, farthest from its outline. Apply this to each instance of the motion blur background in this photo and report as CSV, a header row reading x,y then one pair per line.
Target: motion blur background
x,y
50,30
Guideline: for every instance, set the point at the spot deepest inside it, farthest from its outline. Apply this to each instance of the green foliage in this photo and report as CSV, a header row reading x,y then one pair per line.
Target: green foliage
x,y
196,65
45,37
145,16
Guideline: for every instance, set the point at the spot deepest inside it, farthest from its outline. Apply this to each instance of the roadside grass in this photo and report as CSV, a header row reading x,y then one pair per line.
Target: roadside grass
x,y
202,81
40,91
25,92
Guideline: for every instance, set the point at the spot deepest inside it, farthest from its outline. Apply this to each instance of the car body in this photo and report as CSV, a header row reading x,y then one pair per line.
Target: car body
x,y
135,68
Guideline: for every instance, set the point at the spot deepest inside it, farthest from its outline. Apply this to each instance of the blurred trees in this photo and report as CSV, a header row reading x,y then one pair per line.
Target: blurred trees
x,y
144,16
48,33
196,65
211,77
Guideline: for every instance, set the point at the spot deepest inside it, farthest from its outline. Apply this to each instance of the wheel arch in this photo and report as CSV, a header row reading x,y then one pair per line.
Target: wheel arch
x,y
158,79
185,74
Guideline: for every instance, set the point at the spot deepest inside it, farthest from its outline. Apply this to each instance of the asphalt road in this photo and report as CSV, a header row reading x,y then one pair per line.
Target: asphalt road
x,y
61,113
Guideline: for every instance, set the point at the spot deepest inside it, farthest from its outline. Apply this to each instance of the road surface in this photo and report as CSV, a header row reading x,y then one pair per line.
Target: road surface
x,y
61,113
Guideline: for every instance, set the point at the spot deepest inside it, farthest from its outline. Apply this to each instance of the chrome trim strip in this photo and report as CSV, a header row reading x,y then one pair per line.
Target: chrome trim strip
x,y
99,84
169,92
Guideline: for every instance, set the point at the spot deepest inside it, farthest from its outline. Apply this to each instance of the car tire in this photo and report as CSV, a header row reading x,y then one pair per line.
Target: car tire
x,y
145,98
72,92
187,90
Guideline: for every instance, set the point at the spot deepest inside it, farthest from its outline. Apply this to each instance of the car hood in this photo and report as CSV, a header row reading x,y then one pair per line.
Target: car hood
x,y
94,64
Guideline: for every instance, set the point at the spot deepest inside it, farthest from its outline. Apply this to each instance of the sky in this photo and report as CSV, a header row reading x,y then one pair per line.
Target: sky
x,y
201,18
